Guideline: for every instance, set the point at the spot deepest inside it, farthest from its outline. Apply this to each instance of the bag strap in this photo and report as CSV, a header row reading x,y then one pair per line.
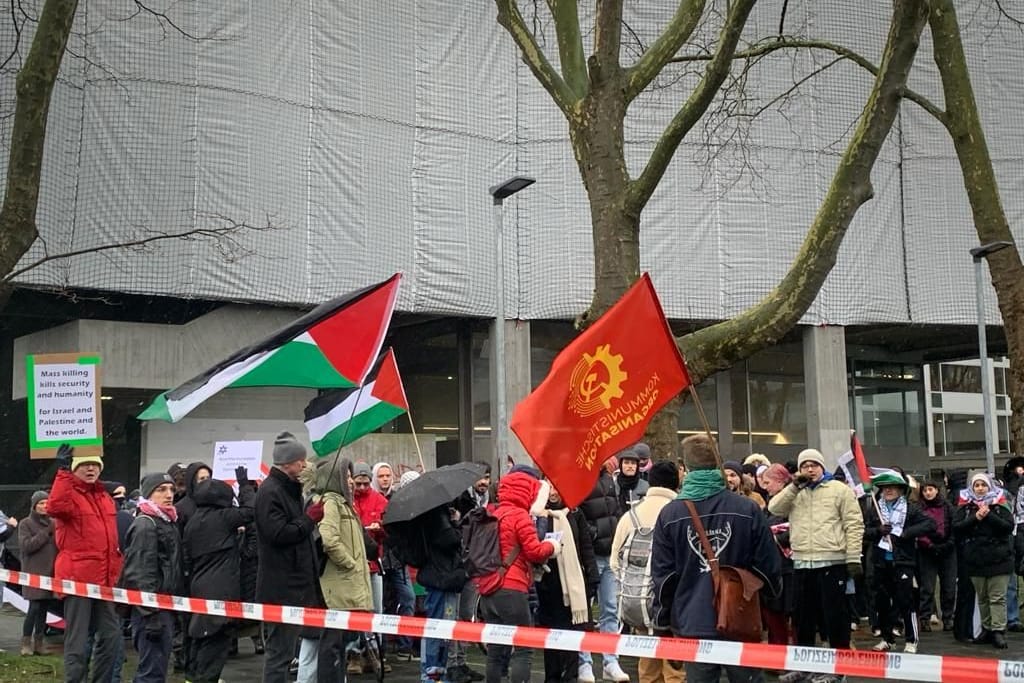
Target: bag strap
x,y
709,553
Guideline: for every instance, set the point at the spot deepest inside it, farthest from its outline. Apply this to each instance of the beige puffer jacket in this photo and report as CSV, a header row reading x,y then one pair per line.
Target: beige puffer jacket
x,y
825,522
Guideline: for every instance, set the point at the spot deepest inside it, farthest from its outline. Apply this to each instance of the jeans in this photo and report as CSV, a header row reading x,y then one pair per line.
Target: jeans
x,y
511,608
154,655
309,651
607,599
82,617
712,673
821,601
469,598
399,581
280,650
1012,601
434,652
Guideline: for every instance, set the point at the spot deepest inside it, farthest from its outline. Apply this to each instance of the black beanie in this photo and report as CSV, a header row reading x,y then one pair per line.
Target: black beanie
x,y
664,474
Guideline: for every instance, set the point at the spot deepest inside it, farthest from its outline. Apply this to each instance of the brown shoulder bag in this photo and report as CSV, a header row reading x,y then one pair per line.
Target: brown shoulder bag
x,y
737,603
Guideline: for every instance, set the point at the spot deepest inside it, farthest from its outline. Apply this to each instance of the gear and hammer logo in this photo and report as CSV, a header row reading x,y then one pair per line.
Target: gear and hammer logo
x,y
596,380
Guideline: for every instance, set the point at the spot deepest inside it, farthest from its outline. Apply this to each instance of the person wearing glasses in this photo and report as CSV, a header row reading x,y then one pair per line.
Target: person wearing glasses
x,y
826,530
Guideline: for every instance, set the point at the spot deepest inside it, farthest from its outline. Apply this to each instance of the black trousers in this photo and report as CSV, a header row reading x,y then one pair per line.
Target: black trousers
x,y
963,613
35,618
331,657
511,608
821,599
560,666
894,595
280,651
930,567
209,655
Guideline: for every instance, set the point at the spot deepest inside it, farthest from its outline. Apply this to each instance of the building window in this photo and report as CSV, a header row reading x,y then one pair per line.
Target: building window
x,y
887,403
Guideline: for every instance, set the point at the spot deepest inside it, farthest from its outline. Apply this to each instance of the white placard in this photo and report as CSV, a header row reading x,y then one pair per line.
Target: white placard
x,y
227,455
65,402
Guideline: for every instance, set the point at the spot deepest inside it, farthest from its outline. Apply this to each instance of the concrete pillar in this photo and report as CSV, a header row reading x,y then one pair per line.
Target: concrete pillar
x,y
518,383
828,406
723,405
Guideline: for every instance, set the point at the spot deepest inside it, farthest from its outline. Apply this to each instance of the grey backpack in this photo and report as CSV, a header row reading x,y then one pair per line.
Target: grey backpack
x,y
636,590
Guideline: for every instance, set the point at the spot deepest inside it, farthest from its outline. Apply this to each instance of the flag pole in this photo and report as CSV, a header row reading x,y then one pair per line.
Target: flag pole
x,y
415,440
707,429
344,435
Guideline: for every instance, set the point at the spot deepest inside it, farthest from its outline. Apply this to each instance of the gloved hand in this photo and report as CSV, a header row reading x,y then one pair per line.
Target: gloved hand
x,y
801,480
153,628
557,545
885,529
855,570
64,455
315,512
241,475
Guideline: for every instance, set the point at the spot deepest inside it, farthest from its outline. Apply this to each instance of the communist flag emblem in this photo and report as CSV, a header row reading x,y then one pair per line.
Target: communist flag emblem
x,y
602,390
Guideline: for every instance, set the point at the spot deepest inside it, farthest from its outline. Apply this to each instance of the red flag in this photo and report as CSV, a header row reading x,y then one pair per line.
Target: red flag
x,y
855,467
602,390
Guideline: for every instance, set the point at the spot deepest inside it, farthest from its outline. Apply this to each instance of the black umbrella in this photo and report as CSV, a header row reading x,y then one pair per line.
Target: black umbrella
x,y
432,489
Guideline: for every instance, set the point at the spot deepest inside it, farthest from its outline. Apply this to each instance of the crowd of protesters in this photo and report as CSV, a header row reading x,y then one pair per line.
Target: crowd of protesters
x,y
906,556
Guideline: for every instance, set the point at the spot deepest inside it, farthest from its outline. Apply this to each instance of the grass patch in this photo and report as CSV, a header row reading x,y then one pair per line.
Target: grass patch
x,y
14,668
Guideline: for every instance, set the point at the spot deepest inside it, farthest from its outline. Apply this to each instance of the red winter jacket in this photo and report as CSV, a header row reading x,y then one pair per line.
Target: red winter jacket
x,y
85,528
370,505
517,493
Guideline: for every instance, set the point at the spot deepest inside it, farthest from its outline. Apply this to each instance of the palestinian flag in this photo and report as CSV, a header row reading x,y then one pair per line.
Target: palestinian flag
x,y
340,417
332,346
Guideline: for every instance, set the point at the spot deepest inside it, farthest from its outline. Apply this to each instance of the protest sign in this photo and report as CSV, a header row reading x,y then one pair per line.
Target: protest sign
x,y
227,455
63,391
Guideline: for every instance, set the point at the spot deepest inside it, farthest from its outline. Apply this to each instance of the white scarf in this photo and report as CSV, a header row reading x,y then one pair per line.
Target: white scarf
x,y
894,518
570,573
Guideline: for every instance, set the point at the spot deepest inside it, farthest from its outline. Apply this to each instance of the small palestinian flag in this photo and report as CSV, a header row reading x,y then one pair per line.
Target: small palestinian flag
x,y
340,417
333,346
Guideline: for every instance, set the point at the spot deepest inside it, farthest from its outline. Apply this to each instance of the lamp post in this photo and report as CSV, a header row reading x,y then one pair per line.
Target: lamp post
x,y
500,193
978,253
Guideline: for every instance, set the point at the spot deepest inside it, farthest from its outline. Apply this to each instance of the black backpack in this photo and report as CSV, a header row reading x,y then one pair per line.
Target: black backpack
x,y
481,551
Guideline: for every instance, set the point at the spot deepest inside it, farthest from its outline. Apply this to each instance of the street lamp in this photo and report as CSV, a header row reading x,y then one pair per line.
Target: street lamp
x,y
500,193
978,253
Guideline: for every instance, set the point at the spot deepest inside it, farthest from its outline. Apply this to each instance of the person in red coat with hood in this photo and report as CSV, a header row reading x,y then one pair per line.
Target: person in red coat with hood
x,y
85,528
521,497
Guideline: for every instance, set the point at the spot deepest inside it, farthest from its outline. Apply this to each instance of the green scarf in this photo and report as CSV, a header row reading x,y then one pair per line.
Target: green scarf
x,y
701,484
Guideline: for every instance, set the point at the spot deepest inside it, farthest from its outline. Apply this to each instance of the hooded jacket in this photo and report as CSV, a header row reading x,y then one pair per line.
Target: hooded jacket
x,y
186,505
152,558
288,571
373,479
345,580
684,594
370,506
85,530
521,495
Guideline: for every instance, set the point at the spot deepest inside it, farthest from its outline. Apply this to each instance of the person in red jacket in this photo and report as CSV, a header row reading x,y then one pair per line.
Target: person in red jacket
x,y
370,505
85,528
521,497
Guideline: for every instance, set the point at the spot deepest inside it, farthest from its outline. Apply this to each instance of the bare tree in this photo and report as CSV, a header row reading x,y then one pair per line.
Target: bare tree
x,y
594,93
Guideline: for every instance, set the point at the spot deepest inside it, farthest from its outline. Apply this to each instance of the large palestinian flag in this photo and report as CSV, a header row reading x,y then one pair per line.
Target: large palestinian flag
x,y
333,346
339,417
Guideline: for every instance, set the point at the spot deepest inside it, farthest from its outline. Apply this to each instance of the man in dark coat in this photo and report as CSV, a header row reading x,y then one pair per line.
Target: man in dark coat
x,y
212,560
684,595
288,567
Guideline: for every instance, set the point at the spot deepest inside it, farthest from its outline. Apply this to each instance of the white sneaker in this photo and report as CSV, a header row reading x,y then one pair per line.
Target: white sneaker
x,y
910,648
882,646
586,674
935,621
854,625
614,672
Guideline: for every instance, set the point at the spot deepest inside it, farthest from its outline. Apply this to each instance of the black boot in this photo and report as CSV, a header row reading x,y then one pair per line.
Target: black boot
x,y
999,640
984,638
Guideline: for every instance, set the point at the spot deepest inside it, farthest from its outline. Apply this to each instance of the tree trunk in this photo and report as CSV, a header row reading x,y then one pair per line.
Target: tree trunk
x,y
964,125
32,105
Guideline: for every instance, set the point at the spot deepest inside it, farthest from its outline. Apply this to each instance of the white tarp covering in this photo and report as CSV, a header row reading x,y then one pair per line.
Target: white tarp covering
x,y
368,133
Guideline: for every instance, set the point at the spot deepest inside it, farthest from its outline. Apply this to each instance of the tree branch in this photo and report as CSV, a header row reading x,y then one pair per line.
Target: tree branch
x,y
511,20
570,45
28,135
799,43
721,345
696,105
223,236
675,35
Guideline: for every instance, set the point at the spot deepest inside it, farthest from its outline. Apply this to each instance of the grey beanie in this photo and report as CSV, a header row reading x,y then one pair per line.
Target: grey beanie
x,y
287,449
362,469
151,482
38,496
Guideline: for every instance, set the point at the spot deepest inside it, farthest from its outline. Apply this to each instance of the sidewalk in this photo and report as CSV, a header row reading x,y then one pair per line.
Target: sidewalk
x,y
247,667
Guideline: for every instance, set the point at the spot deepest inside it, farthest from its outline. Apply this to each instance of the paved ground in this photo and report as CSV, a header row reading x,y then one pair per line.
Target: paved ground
x,y
246,667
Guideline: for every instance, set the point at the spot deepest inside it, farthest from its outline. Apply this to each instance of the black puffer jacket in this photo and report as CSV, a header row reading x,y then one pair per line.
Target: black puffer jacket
x,y
152,558
288,566
904,547
602,510
987,544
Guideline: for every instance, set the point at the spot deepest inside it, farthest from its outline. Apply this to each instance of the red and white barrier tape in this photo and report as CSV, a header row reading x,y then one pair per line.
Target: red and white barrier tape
x,y
868,664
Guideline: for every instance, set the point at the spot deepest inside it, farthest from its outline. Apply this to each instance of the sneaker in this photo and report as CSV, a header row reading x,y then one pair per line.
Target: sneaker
x,y
876,632
586,674
935,621
1015,627
882,646
898,632
910,648
614,672
854,625
794,677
